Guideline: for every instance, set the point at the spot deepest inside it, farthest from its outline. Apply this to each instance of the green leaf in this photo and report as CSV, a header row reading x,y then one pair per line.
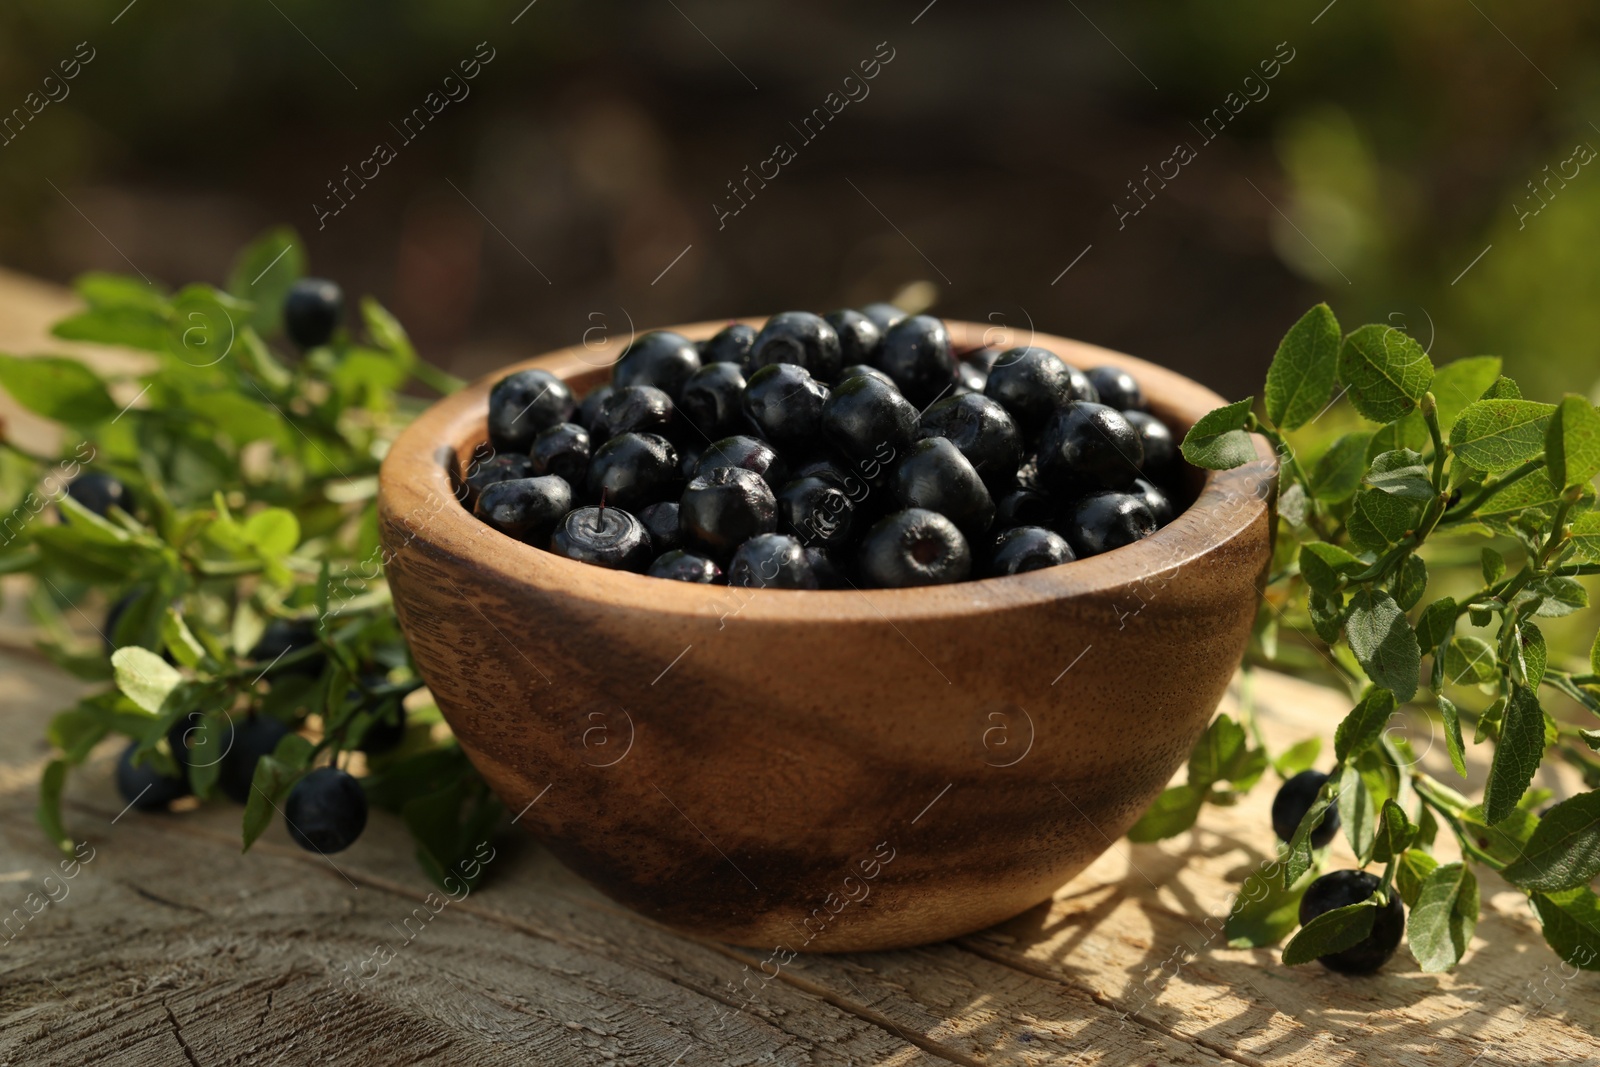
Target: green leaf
x,y
49,810
1301,756
1383,643
1264,911
1386,370
1413,869
1358,817
1586,538
263,274
1470,660
102,290
1410,582
1572,442
1362,727
1502,389
1402,474
1379,519
1441,922
1556,595
1496,435
1219,440
1571,921
1459,383
1337,473
1173,812
1300,379
1535,494
209,741
1564,851
1297,858
58,388
1532,654
1516,755
1395,833
1452,735
1322,564
1494,566
1436,623
1332,931
180,640
387,333
128,326
275,776
144,677
1408,433
274,532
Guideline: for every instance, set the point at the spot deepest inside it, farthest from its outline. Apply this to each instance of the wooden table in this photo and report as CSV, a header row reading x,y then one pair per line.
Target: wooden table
x,y
169,947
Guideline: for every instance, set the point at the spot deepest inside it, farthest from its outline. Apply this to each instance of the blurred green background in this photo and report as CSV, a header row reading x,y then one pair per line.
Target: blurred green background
x,y
1389,167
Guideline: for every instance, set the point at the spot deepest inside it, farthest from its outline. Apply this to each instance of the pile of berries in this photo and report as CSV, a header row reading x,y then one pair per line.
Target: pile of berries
x,y
824,451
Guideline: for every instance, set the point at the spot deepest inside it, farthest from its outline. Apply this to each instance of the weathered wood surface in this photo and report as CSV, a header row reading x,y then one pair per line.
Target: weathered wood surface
x,y
169,947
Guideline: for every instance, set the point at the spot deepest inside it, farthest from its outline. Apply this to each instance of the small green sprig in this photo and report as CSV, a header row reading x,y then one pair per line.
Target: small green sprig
x,y
1462,466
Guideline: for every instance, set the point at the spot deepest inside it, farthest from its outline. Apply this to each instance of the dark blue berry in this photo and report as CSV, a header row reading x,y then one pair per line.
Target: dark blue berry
x,y
500,468
712,400
326,811
914,547
1027,548
99,492
588,413
1106,520
633,409
916,354
562,450
936,476
681,566
1116,388
661,522
524,403
606,537
634,469
740,450
660,358
1026,507
771,561
1294,799
1089,446
144,787
983,432
1160,505
731,344
724,507
857,370
1033,384
866,420
784,403
859,336
883,315
525,508
1155,439
254,737
816,510
825,568
970,378
1339,889
312,310
801,338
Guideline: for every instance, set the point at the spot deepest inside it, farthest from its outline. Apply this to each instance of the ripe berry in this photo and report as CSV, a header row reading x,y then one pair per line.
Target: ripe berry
x,y
1339,889
1027,548
562,450
771,561
281,637
712,400
1089,446
970,378
326,811
856,370
99,492
916,354
1032,384
816,510
725,507
253,738
312,310
1026,507
801,338
859,336
826,568
983,432
751,453
661,523
1160,506
634,409
914,547
144,787
936,476
500,468
1294,799
633,470
606,537
784,403
865,419
660,358
588,413
883,316
1106,520
525,508
1155,438
681,566
731,344
522,404
1117,388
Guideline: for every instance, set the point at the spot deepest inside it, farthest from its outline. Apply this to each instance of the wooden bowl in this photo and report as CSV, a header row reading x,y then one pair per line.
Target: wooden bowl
x,y
824,770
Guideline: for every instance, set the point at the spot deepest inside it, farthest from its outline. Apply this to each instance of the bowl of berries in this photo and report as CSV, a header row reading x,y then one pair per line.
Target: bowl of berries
x,y
825,633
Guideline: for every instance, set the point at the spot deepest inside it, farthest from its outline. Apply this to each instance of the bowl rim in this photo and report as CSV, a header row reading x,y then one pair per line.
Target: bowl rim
x,y
416,479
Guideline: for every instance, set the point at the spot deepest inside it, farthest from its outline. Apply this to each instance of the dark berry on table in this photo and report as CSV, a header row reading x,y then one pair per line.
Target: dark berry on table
x,y
1026,507
1160,504
1027,548
1155,438
500,468
660,358
634,409
856,370
970,378
681,566
801,338
725,506
524,403
99,492
914,547
1032,384
866,420
1339,889
145,787
525,508
312,310
816,510
936,476
606,537
634,469
1089,446
253,737
712,400
983,432
326,811
588,413
731,344
1116,388
771,561
282,637
1106,520
562,450
883,315
859,336
826,568
916,354
784,403
1294,799
741,450
661,523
